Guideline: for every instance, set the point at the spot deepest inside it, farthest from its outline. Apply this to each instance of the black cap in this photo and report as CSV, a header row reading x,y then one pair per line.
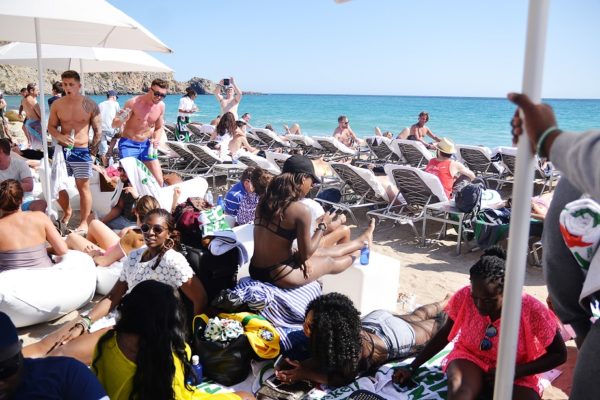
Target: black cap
x,y
111,93
298,164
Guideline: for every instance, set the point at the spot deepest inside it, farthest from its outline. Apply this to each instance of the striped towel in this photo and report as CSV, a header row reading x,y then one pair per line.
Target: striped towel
x,y
580,227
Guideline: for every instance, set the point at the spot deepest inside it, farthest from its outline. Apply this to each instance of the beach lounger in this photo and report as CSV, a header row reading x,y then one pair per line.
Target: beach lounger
x,y
184,164
414,152
545,177
333,149
419,188
360,188
478,160
200,133
305,143
270,139
252,160
382,151
213,165
277,158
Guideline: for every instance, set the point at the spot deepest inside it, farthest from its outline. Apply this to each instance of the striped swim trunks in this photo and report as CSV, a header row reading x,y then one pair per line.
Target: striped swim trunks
x,y
79,162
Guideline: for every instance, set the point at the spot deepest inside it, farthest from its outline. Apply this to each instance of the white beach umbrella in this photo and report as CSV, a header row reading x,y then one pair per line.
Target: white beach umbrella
x,y
94,23
533,69
81,59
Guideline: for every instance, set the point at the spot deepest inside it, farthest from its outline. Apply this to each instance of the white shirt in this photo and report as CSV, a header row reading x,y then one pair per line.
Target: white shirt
x,y
173,269
187,104
17,170
108,112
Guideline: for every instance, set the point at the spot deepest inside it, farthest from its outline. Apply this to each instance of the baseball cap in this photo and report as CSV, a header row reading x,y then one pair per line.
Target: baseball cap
x,y
299,164
112,93
10,345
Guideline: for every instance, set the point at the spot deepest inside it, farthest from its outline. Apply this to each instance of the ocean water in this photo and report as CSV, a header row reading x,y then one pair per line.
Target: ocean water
x,y
464,120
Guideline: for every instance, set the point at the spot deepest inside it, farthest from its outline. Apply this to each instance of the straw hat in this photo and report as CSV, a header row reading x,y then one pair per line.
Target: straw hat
x,y
446,146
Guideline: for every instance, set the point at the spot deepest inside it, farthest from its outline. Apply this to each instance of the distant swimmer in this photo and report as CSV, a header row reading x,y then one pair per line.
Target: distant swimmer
x,y
419,130
231,100
344,133
142,121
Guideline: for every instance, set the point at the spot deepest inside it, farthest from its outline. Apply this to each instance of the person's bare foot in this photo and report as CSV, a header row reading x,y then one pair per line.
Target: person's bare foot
x,y
66,216
368,233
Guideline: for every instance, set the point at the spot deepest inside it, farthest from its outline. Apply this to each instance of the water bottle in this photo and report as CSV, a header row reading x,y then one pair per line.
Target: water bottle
x,y
209,197
220,202
152,153
111,162
123,114
197,369
72,136
364,254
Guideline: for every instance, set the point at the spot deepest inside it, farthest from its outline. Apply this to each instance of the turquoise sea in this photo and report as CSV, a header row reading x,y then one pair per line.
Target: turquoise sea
x,y
465,120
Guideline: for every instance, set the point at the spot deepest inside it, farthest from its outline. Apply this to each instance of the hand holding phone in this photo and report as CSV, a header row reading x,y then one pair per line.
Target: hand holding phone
x,y
226,81
281,364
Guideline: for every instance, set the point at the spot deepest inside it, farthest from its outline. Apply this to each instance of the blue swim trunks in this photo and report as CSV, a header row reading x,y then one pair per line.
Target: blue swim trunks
x,y
79,162
131,148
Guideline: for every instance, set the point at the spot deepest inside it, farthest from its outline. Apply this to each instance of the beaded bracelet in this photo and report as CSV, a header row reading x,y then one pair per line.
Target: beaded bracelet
x,y
543,138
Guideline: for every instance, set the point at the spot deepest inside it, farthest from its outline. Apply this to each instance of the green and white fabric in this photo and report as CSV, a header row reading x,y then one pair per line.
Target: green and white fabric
x,y
213,220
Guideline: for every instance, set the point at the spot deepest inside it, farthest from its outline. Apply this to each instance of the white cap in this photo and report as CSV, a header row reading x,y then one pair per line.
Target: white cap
x,y
195,360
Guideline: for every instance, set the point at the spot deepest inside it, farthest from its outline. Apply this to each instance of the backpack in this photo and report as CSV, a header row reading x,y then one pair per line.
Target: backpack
x,y
467,196
186,219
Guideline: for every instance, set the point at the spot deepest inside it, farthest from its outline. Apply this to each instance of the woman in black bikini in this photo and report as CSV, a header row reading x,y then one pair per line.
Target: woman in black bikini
x,y
281,218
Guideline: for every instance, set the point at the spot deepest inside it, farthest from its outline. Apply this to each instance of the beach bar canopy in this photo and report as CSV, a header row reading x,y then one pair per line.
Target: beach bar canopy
x,y
533,70
81,59
92,23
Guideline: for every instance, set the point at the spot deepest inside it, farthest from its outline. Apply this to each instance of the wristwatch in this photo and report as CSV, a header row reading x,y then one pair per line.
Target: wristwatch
x,y
322,226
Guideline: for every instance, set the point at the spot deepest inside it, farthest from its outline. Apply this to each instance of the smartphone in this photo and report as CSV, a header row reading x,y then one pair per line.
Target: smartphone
x,y
226,82
281,364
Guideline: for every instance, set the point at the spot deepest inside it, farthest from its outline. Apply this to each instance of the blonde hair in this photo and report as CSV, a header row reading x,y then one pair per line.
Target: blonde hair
x,y
144,205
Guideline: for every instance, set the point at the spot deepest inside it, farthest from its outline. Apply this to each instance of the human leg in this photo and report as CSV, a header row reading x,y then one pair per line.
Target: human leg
x,y
289,277
65,204
350,247
154,167
465,380
79,243
80,348
428,311
340,235
101,234
85,202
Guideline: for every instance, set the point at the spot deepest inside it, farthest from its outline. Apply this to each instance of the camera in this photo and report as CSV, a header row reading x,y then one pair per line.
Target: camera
x,y
226,82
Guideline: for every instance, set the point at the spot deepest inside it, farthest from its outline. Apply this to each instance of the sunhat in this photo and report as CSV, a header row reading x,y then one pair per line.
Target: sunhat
x,y
446,146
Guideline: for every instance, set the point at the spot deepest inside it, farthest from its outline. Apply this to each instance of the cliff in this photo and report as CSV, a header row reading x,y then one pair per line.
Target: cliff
x,y
13,78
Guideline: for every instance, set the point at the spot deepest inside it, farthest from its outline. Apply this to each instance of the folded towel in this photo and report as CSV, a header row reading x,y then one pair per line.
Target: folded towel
x,y
226,240
580,227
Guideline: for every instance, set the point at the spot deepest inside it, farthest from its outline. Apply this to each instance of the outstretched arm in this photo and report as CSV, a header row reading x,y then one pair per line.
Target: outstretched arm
x,y
236,90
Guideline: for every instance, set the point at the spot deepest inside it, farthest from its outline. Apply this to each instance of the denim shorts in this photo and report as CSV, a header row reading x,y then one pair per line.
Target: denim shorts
x,y
396,333
131,148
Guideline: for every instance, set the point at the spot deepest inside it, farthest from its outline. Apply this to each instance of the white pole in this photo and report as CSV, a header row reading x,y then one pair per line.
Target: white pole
x,y
522,192
81,76
38,48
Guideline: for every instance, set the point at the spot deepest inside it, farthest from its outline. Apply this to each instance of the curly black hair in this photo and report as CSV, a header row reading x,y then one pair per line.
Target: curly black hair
x,y
335,334
153,312
491,267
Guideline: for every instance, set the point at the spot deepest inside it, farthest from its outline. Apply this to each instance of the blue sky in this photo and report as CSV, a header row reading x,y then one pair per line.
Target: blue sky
x,y
388,47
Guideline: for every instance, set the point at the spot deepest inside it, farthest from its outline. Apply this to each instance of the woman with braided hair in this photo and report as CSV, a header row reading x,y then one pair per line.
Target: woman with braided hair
x,y
158,261
474,326
342,346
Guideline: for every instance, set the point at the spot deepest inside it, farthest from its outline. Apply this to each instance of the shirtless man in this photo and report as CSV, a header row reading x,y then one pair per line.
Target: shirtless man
x,y
419,130
232,98
144,126
23,93
33,114
344,133
76,112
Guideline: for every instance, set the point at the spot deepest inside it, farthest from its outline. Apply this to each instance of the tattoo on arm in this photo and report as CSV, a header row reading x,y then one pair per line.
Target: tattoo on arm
x,y
90,106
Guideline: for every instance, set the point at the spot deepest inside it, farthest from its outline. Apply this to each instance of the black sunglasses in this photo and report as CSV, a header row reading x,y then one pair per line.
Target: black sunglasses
x,y
157,229
486,343
159,94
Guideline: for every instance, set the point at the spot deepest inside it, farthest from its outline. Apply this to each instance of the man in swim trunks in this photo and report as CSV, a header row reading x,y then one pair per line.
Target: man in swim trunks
x,y
32,111
419,130
76,112
344,133
144,126
232,98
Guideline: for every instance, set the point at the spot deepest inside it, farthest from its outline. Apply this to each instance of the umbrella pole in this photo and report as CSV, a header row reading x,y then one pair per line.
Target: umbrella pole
x,y
522,191
46,177
81,75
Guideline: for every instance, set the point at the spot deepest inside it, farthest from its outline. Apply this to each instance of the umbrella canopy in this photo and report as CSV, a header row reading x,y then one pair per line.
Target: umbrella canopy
x,y
94,23
81,59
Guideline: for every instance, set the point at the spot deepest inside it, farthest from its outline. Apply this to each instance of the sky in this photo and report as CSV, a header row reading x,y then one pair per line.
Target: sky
x,y
374,47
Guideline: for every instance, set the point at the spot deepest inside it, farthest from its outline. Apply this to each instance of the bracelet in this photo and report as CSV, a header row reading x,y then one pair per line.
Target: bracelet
x,y
322,226
86,323
543,138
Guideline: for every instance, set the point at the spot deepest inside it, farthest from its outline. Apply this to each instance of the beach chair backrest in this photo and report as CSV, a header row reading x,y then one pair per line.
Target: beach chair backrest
x,y
510,163
362,182
477,159
206,156
201,134
252,160
181,150
414,152
277,158
418,188
380,149
333,146
270,138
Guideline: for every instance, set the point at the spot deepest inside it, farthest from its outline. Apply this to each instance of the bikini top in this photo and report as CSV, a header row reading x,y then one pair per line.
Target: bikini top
x,y
287,234
35,256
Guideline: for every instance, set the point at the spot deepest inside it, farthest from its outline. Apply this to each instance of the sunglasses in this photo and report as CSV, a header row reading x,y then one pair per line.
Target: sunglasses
x,y
157,229
10,368
486,343
159,94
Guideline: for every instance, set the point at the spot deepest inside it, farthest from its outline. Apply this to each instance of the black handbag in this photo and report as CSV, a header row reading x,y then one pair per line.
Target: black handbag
x,y
227,363
273,389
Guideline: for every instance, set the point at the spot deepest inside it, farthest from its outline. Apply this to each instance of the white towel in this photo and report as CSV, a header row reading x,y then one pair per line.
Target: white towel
x,y
580,227
141,179
226,240
58,173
